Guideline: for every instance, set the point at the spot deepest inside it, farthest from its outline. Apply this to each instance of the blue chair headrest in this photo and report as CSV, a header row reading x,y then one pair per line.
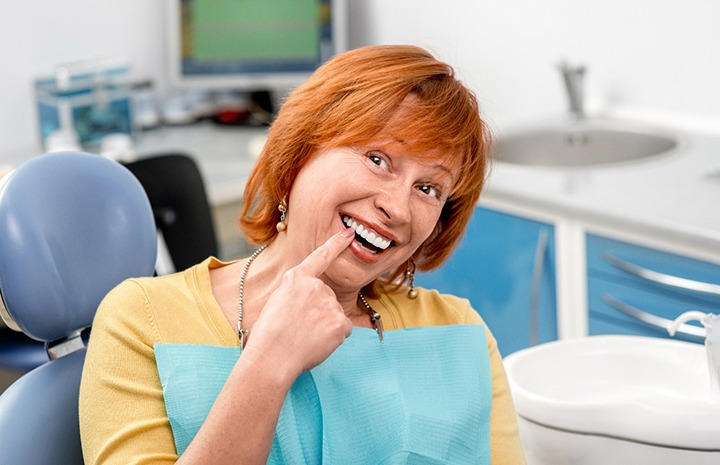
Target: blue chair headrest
x,y
72,227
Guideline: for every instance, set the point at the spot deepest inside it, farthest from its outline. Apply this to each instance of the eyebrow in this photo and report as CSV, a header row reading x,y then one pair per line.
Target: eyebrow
x,y
440,166
445,169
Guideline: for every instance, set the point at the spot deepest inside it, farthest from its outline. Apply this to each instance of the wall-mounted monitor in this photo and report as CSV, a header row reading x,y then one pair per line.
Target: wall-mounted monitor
x,y
252,44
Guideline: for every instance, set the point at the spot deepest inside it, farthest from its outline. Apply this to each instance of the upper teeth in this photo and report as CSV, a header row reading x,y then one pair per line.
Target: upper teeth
x,y
370,236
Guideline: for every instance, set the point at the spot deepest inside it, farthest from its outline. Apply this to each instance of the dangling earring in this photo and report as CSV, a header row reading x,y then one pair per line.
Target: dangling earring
x,y
410,276
282,206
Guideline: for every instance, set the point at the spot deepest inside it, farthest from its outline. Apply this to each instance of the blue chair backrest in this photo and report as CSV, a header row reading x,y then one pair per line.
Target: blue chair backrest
x,y
72,227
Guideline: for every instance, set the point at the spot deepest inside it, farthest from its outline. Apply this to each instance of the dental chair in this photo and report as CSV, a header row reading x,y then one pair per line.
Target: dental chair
x,y
72,226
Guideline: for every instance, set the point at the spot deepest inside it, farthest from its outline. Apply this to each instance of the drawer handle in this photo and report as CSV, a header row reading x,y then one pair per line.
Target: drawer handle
x,y
652,320
662,278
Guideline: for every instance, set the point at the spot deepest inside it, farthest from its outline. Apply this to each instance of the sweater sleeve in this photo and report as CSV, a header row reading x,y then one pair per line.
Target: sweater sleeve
x,y
122,413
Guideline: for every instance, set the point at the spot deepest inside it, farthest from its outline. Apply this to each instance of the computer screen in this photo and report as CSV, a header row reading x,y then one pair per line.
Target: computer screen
x,y
252,44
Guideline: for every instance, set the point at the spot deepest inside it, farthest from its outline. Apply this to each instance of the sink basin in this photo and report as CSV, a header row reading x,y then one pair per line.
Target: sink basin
x,y
584,143
653,394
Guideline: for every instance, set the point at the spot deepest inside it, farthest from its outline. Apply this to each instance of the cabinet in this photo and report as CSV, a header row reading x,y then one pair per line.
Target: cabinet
x,y
637,290
505,266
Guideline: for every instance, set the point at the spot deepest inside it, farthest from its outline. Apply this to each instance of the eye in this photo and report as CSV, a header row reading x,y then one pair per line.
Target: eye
x,y
430,190
377,158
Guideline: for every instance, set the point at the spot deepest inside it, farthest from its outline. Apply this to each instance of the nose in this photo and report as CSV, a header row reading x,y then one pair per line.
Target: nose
x,y
393,201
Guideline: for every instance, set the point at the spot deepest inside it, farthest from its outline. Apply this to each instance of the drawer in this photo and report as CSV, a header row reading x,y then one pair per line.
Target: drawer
x,y
658,307
632,264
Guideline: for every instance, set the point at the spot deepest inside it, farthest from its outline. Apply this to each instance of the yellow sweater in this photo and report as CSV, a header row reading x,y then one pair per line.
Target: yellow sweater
x,y
122,411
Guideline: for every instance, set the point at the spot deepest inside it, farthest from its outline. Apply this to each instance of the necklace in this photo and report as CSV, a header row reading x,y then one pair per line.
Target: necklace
x,y
243,333
374,317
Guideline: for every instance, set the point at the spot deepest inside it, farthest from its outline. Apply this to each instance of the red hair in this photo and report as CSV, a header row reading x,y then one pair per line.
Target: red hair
x,y
348,101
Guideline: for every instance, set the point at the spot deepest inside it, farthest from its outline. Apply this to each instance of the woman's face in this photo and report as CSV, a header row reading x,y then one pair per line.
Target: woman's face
x,y
391,196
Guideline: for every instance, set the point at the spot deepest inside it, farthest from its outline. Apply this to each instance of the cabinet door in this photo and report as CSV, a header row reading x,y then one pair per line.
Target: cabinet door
x,y
638,290
505,267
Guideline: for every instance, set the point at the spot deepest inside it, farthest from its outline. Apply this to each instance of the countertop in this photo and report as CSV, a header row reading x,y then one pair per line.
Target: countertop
x,y
224,154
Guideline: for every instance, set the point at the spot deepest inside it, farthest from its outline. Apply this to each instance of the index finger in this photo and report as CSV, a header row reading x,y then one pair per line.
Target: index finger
x,y
320,259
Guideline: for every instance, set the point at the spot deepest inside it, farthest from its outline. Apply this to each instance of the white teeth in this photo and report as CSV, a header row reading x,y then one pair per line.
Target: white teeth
x,y
373,238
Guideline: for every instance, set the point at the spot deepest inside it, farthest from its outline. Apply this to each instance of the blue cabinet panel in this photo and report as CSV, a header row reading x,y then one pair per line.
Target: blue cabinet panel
x,y
494,267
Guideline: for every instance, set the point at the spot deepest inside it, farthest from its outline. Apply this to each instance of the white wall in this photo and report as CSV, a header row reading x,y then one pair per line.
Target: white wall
x,y
35,35
656,59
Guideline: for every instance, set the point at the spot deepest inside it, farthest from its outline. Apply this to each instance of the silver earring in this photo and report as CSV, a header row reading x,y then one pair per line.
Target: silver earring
x,y
410,276
282,207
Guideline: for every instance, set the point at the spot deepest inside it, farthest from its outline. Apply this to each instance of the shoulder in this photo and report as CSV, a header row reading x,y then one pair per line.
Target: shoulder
x,y
177,285
429,308
145,289
154,305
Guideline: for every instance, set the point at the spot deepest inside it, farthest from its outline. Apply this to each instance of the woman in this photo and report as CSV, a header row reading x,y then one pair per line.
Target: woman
x,y
371,169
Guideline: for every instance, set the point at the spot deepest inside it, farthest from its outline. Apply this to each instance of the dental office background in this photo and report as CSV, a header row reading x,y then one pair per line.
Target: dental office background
x,y
651,60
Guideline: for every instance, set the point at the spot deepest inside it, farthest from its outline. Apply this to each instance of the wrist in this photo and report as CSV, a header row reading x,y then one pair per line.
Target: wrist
x,y
269,367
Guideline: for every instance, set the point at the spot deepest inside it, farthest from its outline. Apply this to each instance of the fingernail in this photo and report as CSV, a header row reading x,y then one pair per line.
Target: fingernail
x,y
348,232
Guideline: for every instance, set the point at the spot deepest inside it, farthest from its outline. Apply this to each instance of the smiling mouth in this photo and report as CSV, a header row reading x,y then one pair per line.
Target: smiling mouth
x,y
367,238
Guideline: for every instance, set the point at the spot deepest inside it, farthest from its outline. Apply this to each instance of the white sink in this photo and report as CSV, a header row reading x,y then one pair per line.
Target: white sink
x,y
644,391
583,143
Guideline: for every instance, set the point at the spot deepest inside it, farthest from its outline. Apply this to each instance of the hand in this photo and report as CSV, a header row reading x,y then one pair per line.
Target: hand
x,y
302,322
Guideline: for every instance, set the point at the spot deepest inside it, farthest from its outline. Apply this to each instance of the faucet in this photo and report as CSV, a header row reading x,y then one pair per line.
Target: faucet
x,y
573,79
711,322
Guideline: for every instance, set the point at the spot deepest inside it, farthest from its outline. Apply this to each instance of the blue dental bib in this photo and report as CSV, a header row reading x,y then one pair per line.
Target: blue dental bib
x,y
422,397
